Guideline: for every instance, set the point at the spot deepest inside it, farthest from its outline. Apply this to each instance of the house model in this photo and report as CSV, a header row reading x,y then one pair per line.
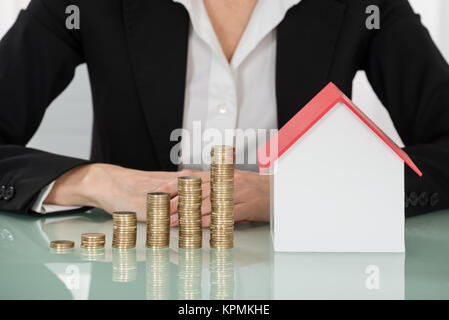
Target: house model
x,y
337,182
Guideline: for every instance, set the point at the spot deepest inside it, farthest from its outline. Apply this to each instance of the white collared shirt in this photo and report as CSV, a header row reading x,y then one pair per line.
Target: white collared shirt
x,y
220,95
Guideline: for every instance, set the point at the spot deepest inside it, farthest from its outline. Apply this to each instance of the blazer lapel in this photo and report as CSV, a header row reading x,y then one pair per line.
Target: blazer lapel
x,y
157,35
306,40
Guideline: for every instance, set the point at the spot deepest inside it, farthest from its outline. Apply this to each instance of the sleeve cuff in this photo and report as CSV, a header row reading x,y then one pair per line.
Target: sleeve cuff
x,y
42,208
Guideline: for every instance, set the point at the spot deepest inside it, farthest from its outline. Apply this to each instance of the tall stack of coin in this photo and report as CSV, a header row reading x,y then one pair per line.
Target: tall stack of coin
x,y
158,220
124,265
158,274
189,274
222,197
221,274
92,240
189,212
125,230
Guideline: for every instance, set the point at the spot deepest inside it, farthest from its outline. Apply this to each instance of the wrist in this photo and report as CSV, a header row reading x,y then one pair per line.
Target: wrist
x,y
76,187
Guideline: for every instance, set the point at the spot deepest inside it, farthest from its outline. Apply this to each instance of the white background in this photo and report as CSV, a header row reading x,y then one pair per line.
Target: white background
x,y
67,125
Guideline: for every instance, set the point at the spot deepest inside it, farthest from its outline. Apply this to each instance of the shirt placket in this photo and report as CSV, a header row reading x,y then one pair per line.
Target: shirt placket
x,y
222,101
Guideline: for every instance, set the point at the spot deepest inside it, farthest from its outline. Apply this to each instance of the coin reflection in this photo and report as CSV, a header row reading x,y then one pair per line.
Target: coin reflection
x,y
61,250
189,275
124,265
90,254
221,274
157,273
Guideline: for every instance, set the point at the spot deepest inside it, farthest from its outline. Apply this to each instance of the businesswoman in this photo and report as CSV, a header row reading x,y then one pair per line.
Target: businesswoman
x,y
159,65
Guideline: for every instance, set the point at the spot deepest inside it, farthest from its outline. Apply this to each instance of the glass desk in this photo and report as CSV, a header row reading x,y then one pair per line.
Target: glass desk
x,y
30,270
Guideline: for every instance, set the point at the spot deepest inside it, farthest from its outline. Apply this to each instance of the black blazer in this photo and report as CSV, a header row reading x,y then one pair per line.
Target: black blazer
x,y
136,53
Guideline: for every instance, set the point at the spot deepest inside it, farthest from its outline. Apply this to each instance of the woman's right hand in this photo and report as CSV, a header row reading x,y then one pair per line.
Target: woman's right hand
x,y
114,188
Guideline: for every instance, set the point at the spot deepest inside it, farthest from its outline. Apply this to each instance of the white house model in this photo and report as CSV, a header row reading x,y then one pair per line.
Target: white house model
x,y
338,182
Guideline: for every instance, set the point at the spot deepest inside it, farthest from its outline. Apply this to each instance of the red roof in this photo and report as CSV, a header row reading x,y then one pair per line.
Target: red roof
x,y
313,111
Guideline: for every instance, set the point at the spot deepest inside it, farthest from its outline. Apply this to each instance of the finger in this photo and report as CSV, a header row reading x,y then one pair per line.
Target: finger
x,y
242,211
206,207
174,205
240,189
141,216
169,187
206,221
174,220
206,190
162,174
241,196
204,175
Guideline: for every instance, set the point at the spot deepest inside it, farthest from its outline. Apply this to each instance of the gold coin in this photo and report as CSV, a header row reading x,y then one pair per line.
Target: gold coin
x,y
93,235
62,244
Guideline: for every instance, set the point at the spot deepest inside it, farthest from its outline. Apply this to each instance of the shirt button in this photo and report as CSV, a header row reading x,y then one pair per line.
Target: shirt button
x,y
9,193
222,109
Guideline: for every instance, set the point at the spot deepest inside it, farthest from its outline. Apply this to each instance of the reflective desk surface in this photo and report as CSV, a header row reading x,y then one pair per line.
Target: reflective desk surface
x,y
30,270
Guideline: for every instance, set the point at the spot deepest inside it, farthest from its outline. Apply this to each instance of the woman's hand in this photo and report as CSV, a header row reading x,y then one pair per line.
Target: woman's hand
x,y
114,188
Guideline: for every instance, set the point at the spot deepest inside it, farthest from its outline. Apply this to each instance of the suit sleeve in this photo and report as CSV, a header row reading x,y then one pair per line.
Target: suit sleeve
x,y
411,78
38,57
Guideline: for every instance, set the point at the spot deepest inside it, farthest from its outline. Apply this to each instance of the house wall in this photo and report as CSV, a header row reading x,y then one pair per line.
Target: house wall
x,y
337,183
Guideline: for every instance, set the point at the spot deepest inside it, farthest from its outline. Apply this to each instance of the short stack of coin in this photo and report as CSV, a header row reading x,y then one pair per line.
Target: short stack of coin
x,y
92,240
125,230
62,246
158,220
189,212
222,197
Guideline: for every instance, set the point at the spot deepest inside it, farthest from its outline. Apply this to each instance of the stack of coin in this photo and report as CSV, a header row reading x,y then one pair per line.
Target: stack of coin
x,y
158,274
189,274
92,240
61,246
189,212
158,220
222,197
124,265
125,230
221,274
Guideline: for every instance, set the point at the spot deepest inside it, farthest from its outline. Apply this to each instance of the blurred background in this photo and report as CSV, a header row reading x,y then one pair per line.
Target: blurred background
x,y
67,125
